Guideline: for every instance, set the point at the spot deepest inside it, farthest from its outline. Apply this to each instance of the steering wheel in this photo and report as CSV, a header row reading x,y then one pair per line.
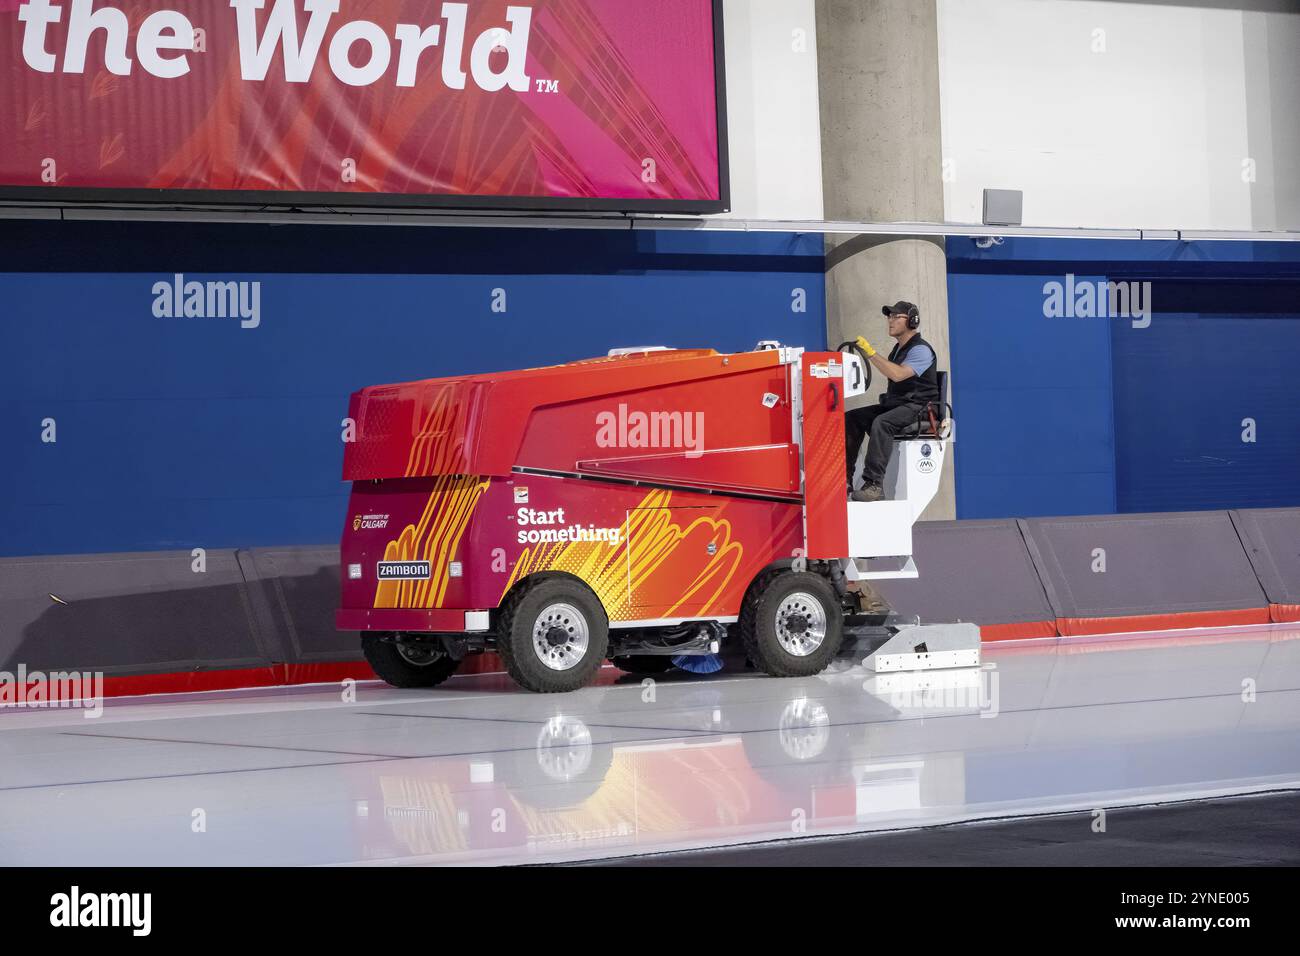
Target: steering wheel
x,y
866,364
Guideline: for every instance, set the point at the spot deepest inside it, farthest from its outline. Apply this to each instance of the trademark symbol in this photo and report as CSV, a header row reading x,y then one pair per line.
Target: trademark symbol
x,y
548,86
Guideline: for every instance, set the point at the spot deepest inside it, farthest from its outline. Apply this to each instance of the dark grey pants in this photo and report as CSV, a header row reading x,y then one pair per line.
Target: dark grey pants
x,y
882,424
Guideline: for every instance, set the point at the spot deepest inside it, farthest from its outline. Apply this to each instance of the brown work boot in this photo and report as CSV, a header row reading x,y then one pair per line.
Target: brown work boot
x,y
869,492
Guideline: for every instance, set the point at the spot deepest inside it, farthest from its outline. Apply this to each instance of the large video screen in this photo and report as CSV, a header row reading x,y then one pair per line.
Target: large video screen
x,y
548,104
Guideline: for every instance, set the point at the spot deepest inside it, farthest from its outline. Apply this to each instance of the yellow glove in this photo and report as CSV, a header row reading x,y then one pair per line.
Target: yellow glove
x,y
866,346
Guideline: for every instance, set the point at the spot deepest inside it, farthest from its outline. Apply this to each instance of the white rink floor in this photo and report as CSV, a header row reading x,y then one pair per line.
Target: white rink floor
x,y
479,772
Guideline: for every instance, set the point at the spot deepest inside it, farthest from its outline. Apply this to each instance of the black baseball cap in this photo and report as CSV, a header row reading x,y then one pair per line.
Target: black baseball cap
x,y
900,308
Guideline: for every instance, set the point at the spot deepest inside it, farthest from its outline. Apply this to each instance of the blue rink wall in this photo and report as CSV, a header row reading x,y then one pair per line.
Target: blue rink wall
x,y
1078,415
175,433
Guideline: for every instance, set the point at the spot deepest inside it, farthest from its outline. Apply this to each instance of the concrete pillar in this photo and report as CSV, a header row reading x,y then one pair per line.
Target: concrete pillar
x,y
878,65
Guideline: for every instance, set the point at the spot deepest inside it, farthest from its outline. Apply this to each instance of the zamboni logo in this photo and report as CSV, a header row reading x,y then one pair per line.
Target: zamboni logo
x,y
405,570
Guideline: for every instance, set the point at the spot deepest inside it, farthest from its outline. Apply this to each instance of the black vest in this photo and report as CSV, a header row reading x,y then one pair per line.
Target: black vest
x,y
918,389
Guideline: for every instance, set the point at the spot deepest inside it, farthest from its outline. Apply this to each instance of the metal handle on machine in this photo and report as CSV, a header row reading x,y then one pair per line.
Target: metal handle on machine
x,y
835,397
866,362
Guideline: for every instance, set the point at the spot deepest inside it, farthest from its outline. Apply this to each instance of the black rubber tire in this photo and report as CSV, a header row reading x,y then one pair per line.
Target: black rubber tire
x,y
515,635
386,661
648,664
758,623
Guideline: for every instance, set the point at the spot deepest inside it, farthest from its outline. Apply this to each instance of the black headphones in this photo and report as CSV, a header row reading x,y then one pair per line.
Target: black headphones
x,y
913,313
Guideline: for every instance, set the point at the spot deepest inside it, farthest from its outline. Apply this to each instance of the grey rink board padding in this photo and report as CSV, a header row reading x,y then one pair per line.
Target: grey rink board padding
x,y
132,613
977,571
1272,540
296,592
1154,564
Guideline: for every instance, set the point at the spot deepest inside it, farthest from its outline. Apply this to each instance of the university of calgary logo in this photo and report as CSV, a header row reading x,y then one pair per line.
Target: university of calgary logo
x,y
356,523
369,522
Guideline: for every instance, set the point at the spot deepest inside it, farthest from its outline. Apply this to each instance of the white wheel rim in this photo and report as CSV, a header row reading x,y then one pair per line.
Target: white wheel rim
x,y
560,636
800,624
804,729
564,748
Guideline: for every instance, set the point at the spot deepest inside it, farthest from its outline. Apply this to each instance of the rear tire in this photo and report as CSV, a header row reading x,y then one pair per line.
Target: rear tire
x,y
647,664
791,623
553,635
405,663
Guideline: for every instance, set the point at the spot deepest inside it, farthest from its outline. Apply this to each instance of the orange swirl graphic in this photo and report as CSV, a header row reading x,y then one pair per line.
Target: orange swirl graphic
x,y
434,450
434,539
649,536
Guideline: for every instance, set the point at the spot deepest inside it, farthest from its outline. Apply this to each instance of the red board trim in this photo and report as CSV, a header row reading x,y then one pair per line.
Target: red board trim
x,y
1284,613
276,675
1078,626
1019,631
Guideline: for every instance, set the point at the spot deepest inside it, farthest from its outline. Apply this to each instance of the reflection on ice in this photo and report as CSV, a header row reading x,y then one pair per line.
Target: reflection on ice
x,y
478,772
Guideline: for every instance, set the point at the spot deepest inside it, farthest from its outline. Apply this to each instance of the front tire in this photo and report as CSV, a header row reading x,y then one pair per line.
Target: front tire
x,y
791,623
404,662
553,636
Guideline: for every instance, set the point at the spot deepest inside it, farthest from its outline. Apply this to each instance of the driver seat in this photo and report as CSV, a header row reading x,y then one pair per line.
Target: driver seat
x,y
931,418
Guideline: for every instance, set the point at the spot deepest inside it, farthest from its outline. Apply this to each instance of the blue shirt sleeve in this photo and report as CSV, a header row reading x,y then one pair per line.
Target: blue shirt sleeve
x,y
919,359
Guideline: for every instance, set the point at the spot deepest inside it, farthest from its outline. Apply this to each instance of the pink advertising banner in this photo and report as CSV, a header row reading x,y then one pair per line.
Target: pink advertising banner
x,y
613,104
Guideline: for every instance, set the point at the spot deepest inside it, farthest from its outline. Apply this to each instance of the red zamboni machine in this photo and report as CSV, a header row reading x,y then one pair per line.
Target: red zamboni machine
x,y
637,508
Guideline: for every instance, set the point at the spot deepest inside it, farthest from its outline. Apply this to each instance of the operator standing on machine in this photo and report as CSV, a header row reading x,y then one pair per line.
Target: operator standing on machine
x,y
910,369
